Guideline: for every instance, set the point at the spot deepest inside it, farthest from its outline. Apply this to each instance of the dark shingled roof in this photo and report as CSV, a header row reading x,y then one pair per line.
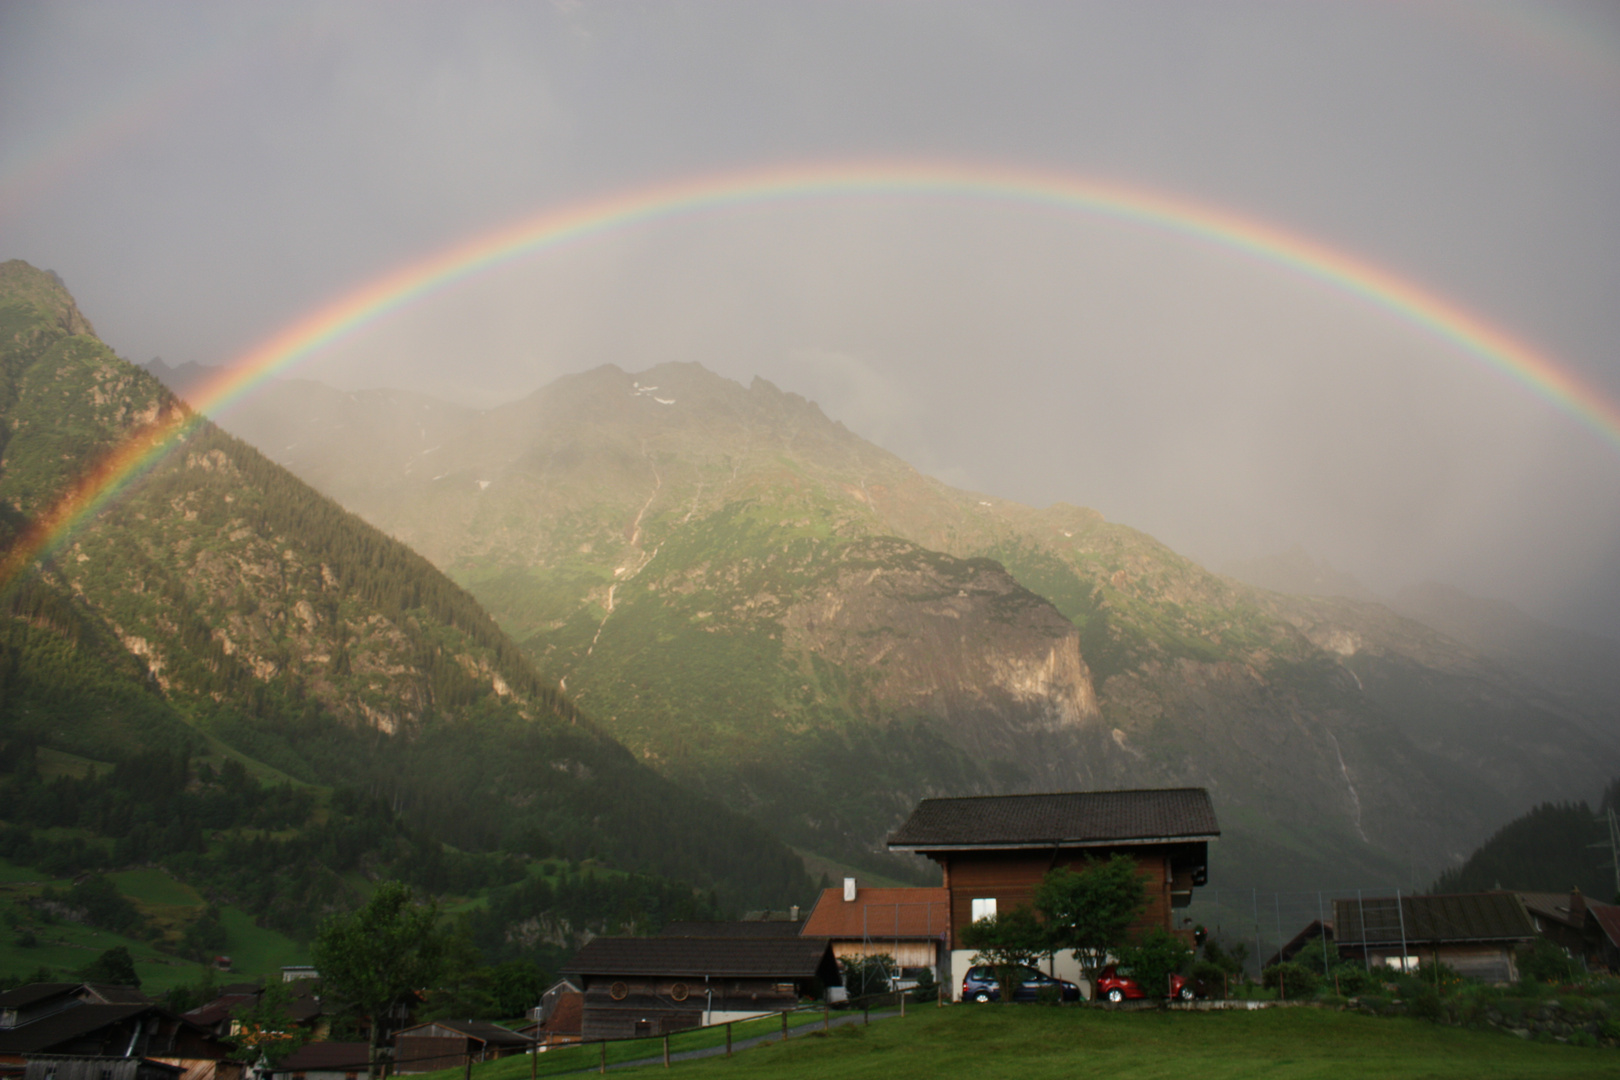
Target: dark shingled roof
x,y
1492,916
787,958
27,995
1070,818
327,1057
746,928
60,1027
479,1030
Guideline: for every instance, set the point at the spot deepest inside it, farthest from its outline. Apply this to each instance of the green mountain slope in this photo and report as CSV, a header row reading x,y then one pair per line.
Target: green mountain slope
x,y
219,609
768,607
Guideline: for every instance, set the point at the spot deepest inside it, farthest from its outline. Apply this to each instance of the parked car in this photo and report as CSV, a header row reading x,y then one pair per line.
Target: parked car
x,y
980,984
1115,984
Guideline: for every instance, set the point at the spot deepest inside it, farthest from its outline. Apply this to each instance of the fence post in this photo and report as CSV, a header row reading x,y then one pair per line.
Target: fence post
x,y
466,1071
784,1023
866,1014
666,1049
728,1038
534,1056
826,1018
902,1004
604,1057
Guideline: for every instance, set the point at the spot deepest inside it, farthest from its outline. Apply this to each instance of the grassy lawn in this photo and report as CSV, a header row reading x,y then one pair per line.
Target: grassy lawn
x,y
255,950
1029,1043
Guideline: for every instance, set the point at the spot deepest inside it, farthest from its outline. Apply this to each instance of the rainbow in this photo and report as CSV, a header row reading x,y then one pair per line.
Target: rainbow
x,y
578,222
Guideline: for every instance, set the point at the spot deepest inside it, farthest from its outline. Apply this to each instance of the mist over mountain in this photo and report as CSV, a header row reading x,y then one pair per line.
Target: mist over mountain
x,y
222,609
767,607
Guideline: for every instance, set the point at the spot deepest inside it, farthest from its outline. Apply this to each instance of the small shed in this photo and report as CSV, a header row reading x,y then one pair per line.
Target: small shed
x,y
449,1044
1475,934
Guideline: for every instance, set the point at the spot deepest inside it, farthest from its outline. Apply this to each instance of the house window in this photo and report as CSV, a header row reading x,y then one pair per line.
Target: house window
x,y
984,908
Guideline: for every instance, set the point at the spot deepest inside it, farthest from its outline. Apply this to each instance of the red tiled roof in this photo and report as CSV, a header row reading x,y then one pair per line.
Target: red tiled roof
x,y
884,913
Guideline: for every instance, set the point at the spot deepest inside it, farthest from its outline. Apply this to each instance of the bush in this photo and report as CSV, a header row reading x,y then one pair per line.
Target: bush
x,y
1292,980
1155,957
1542,961
927,985
1210,978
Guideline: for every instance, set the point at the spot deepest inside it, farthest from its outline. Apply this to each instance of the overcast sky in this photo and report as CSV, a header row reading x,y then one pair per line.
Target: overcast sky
x,y
203,174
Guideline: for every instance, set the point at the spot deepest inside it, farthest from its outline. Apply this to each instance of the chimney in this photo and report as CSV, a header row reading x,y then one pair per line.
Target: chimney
x,y
1577,906
793,913
849,890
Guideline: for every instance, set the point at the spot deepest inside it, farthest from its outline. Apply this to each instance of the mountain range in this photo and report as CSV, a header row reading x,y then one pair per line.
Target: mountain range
x,y
220,612
766,608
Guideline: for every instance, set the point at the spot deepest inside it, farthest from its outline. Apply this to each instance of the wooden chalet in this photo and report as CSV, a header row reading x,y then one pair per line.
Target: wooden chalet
x,y
1474,934
649,986
906,924
450,1044
86,1020
994,850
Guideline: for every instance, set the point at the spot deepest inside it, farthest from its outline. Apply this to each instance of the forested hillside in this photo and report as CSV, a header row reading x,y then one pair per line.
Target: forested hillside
x,y
226,673
1553,848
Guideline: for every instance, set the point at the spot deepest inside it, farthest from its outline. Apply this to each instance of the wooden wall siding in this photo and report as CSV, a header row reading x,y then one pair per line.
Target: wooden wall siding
x,y
429,1053
908,954
648,1007
1011,877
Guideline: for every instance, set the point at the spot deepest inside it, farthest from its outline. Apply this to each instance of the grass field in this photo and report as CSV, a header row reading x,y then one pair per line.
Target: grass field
x,y
1031,1043
255,950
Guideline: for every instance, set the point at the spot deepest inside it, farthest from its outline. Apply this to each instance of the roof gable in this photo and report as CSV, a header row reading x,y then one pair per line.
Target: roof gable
x,y
1067,819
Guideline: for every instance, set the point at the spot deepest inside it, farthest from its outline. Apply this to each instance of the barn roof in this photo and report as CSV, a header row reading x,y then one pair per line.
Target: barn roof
x,y
1458,917
786,958
740,928
1068,819
60,1027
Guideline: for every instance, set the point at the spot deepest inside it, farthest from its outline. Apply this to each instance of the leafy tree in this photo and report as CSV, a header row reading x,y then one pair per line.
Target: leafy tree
x,y
265,1031
115,966
1089,911
1007,941
380,956
1153,958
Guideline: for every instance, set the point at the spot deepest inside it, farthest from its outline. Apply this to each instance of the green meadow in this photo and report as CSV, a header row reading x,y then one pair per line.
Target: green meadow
x,y
1034,1043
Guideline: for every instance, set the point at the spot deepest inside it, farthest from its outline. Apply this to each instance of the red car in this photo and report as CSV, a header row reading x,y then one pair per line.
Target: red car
x,y
1115,984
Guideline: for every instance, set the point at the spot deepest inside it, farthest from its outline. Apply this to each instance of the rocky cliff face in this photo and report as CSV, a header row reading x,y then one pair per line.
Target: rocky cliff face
x,y
758,601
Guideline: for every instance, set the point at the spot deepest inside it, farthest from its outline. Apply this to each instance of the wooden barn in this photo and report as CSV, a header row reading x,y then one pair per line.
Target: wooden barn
x,y
1474,934
649,986
449,1044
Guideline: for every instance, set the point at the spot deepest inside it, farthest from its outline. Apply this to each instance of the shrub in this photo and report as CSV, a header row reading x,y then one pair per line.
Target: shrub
x,y
1211,978
1542,961
1155,957
1292,980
